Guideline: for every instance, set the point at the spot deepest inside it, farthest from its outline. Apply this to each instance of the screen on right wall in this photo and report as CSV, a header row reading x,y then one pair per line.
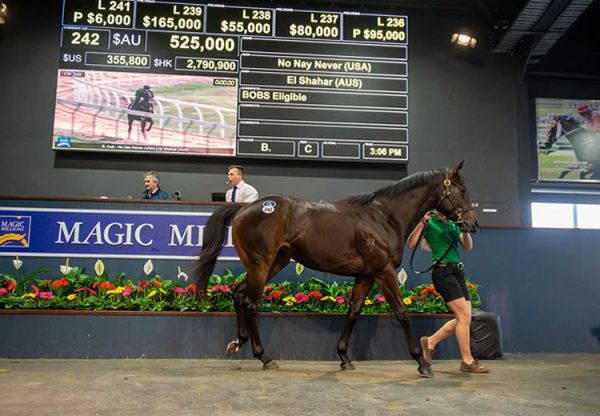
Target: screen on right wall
x,y
568,139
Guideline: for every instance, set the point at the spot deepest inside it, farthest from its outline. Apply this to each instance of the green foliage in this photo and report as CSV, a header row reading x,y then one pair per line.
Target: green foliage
x,y
78,290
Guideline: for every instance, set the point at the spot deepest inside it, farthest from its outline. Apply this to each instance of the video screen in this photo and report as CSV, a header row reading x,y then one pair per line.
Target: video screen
x,y
141,112
568,139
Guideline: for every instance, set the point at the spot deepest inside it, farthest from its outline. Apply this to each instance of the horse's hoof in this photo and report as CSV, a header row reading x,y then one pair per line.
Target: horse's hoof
x,y
347,366
232,348
425,371
271,365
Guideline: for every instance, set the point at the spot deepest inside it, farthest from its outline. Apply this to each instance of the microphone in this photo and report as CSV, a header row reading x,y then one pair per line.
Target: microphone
x,y
176,195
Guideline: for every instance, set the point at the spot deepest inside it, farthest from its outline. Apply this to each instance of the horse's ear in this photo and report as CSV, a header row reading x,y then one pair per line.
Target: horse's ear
x,y
458,167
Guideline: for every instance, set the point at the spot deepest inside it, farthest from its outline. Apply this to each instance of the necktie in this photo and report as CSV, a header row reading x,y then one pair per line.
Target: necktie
x,y
233,194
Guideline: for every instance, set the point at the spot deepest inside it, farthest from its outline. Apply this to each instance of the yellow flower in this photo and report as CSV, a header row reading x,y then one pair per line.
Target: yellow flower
x,y
331,298
164,292
289,304
368,302
116,291
289,299
407,301
152,294
72,296
28,296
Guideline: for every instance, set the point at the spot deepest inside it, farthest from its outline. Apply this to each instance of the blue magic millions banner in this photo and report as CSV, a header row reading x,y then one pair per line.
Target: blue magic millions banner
x,y
95,233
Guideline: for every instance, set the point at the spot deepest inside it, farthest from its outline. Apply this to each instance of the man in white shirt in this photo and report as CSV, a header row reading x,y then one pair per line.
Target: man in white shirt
x,y
241,191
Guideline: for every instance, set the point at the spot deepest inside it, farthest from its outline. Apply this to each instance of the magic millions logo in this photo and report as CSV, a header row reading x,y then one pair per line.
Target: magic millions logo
x,y
14,231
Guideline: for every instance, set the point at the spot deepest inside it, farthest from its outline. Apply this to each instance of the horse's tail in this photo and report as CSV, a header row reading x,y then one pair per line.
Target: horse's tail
x,y
214,236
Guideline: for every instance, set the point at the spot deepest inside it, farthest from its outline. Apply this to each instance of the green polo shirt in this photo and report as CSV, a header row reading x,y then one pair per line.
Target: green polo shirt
x,y
440,235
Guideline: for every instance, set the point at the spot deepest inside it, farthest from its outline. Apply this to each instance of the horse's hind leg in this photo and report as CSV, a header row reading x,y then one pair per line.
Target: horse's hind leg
x,y
391,290
246,301
361,289
242,333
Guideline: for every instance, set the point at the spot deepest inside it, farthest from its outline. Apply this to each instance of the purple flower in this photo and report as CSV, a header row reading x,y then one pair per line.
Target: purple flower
x,y
301,297
92,292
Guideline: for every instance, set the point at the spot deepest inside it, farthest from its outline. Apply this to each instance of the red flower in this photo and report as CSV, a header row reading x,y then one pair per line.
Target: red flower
x,y
156,283
276,294
107,286
315,294
269,288
11,287
429,289
61,282
267,297
191,288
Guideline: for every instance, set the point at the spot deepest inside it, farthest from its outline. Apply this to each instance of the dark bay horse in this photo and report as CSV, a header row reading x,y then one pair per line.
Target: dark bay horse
x,y
586,146
362,236
141,105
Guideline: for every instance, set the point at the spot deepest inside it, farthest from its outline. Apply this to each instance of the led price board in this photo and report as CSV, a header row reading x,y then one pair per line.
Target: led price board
x,y
189,77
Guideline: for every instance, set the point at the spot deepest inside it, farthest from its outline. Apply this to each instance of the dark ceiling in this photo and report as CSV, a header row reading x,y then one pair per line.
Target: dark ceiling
x,y
554,38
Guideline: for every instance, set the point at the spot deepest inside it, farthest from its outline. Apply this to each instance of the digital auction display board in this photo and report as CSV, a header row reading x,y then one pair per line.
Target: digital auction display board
x,y
190,77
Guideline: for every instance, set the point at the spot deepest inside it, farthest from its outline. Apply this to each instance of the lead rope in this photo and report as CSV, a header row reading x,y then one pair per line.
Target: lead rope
x,y
435,263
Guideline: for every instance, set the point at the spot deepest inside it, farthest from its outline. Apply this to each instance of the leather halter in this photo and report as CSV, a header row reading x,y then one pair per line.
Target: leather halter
x,y
447,191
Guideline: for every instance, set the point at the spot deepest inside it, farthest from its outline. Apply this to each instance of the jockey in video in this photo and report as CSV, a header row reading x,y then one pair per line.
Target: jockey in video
x,y
144,95
591,118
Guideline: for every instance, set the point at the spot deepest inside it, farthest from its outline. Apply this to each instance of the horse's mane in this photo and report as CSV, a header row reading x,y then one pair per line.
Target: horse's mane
x,y
397,188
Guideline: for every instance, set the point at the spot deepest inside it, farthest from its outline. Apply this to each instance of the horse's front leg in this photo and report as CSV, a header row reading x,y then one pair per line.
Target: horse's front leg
x,y
391,290
150,124
143,129
361,289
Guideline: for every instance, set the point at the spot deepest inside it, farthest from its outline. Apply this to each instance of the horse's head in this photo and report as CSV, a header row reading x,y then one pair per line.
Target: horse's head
x,y
561,124
455,202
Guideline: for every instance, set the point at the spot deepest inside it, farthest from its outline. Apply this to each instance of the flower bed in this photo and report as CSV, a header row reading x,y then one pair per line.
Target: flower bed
x,y
73,289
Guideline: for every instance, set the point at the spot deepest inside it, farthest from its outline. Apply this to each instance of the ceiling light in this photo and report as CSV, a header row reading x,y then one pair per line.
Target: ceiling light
x,y
3,12
464,38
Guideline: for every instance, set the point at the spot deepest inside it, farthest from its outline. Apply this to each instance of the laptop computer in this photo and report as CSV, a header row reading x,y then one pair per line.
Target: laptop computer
x,y
218,196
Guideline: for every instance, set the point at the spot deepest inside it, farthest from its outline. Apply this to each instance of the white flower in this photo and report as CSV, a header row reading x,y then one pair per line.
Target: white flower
x,y
65,269
148,267
17,263
299,269
99,267
181,274
402,277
